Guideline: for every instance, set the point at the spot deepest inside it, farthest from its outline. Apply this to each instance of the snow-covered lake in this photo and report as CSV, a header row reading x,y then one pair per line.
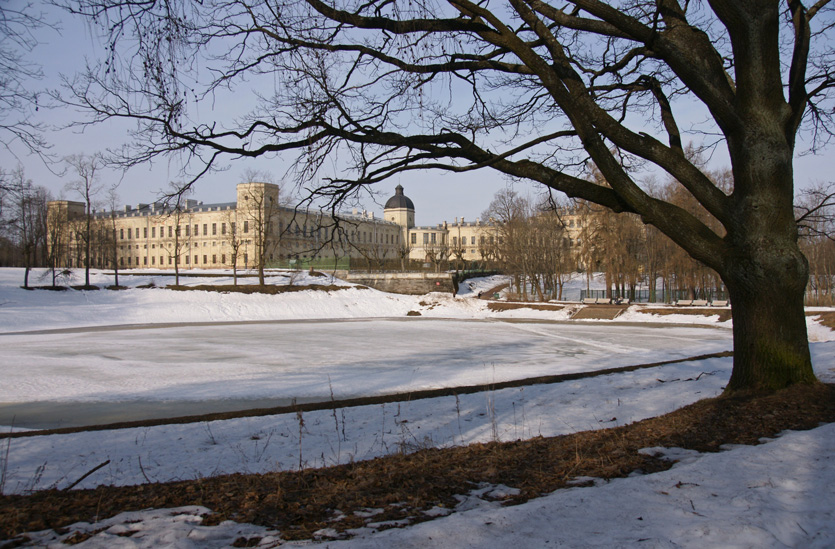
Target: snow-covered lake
x,y
309,361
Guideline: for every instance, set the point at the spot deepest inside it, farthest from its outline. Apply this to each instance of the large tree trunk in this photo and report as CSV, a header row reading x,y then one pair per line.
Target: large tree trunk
x,y
769,326
765,271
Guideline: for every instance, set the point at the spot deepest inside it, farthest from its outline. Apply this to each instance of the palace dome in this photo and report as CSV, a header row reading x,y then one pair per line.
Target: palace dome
x,y
399,200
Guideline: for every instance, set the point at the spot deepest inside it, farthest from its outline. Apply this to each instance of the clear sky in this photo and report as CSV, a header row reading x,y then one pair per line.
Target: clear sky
x,y
437,196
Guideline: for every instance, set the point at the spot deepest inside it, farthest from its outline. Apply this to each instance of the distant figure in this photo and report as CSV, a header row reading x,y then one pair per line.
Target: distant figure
x,y
479,295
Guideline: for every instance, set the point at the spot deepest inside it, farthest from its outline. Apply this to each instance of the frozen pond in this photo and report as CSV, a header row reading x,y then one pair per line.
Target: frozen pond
x,y
134,373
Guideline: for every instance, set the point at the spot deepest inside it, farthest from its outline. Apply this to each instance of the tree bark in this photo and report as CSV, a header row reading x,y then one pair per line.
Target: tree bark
x,y
765,272
769,328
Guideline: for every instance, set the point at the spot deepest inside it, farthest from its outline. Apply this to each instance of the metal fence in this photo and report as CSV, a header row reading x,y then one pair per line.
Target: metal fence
x,y
659,296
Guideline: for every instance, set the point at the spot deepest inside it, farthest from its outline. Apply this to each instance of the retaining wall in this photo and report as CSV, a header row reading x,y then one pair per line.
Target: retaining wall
x,y
403,283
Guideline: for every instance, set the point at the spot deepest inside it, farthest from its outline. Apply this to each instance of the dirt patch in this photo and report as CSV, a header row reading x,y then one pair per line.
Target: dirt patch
x,y
493,291
258,289
404,486
724,314
500,306
826,318
598,312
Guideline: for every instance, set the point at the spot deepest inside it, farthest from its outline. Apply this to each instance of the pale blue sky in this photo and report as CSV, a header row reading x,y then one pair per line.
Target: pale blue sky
x,y
437,196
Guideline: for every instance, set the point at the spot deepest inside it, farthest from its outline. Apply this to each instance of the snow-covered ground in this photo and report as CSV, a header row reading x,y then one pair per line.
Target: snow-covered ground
x,y
359,342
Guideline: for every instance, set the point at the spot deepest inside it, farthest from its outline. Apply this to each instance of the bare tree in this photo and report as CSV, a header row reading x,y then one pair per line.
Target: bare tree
x,y
437,253
403,251
816,220
174,244
539,90
258,208
27,218
87,186
111,240
229,232
19,22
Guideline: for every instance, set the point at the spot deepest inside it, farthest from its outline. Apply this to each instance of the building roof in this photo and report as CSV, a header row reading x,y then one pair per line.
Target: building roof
x,y
399,200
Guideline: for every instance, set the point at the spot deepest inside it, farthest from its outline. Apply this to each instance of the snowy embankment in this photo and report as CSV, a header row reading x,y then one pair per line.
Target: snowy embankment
x,y
775,494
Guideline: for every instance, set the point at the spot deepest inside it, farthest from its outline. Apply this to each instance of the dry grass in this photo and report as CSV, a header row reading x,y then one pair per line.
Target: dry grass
x,y
724,313
826,318
300,503
598,312
499,306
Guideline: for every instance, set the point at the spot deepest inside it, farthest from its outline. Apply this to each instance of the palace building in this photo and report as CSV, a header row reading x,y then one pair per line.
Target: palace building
x,y
256,225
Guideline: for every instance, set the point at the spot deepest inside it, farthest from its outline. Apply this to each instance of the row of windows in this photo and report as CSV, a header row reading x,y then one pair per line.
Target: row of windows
x,y
196,231
135,260
190,230
431,238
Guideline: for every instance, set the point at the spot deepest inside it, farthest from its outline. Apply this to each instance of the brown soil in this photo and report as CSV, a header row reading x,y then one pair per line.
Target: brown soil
x,y
258,289
500,306
495,290
405,485
724,314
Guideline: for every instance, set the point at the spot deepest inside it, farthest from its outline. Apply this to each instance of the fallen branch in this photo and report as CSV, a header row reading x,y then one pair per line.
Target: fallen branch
x,y
87,474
